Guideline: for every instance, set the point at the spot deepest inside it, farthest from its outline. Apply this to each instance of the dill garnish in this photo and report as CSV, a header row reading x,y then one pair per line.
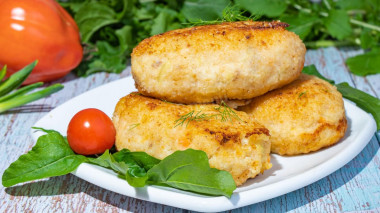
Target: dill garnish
x,y
301,94
180,121
223,111
133,126
167,101
226,113
229,14
187,118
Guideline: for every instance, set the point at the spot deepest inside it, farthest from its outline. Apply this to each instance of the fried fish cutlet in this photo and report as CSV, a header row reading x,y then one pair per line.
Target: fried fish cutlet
x,y
203,64
304,116
239,146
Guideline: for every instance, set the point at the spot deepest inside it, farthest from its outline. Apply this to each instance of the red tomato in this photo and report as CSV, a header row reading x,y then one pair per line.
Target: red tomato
x,y
38,30
90,132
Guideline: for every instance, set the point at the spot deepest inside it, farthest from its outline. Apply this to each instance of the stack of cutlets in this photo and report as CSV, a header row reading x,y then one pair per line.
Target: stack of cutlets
x,y
189,80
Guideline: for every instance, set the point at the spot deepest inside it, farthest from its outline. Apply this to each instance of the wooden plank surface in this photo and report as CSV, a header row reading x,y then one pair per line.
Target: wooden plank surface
x,y
354,187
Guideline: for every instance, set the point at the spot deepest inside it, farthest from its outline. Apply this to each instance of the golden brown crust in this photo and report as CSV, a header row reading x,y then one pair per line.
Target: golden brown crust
x,y
238,60
149,125
230,30
304,116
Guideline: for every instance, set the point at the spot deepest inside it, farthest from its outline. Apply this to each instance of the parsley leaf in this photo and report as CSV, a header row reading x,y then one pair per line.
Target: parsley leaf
x,y
300,24
338,24
194,10
270,8
89,22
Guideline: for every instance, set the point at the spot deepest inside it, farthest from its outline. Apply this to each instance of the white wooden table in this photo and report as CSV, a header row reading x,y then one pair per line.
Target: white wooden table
x,y
354,187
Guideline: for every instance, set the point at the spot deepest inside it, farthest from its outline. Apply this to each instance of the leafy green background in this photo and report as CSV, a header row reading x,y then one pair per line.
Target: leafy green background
x,y
111,28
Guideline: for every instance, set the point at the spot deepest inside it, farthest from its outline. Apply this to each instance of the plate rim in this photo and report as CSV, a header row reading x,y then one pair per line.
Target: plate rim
x,y
238,199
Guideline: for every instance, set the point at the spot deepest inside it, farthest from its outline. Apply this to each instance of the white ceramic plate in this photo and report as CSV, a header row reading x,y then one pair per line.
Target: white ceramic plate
x,y
287,174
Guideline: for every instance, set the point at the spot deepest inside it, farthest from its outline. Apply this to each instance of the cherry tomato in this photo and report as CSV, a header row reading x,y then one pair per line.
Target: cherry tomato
x,y
90,132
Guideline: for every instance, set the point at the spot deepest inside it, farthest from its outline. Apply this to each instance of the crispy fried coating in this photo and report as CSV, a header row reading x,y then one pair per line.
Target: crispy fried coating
x,y
203,64
304,116
237,145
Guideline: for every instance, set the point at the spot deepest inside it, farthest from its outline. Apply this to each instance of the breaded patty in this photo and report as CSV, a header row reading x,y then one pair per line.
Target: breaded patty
x,y
237,144
304,116
203,64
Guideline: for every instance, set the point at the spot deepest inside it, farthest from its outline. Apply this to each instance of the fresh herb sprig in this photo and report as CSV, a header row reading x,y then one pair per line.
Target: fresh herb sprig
x,y
222,112
187,170
301,94
133,126
226,113
23,95
229,14
192,116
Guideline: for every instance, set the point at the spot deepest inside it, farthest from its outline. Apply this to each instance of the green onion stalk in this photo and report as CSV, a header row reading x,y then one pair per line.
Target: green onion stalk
x,y
12,96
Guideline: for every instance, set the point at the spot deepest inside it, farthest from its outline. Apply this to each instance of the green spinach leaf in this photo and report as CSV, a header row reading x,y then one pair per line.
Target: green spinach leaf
x,y
138,165
131,166
106,160
365,64
136,176
141,159
92,16
312,70
189,170
51,156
